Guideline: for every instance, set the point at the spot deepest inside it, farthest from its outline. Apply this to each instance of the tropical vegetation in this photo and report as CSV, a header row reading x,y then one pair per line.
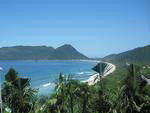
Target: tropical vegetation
x,y
124,91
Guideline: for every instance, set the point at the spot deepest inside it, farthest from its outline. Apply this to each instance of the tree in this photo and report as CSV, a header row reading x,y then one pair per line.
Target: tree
x,y
57,101
71,89
101,105
132,98
17,94
84,94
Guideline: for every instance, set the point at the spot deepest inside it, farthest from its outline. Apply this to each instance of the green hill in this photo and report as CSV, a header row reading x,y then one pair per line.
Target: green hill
x,y
139,55
40,53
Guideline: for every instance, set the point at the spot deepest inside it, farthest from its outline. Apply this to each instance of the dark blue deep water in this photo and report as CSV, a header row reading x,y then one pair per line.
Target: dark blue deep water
x,y
47,72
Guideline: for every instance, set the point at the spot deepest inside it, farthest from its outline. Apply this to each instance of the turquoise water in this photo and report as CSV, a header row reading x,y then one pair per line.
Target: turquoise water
x,y
47,72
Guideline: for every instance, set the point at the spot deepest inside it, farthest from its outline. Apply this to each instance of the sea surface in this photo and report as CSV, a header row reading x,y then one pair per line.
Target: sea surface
x,y
44,74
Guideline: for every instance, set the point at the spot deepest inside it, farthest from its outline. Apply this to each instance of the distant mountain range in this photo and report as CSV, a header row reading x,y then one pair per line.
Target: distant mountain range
x,y
67,52
64,52
139,55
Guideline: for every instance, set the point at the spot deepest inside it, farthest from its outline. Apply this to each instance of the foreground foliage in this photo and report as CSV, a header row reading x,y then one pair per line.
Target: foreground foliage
x,y
17,95
123,92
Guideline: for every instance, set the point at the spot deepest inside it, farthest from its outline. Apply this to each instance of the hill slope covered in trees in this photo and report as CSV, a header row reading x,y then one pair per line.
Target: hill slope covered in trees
x,y
40,53
138,55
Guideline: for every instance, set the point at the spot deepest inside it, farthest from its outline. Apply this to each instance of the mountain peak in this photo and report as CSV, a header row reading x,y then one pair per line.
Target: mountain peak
x,y
65,52
68,50
66,46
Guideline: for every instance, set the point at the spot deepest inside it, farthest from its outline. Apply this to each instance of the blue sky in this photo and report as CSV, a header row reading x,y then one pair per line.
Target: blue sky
x,y
95,27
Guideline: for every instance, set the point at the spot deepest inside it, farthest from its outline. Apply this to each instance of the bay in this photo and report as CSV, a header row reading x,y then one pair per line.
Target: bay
x,y
44,74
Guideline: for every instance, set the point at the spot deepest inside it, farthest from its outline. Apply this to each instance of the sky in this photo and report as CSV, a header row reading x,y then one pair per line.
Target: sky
x,y
94,27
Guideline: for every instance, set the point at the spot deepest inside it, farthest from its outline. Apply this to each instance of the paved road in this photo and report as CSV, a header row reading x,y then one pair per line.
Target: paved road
x,y
95,77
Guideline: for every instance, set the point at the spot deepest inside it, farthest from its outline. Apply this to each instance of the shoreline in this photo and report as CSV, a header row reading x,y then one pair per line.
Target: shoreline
x,y
93,79
84,60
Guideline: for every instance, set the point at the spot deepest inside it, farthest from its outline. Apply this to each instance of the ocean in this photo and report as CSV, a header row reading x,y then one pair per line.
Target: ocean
x,y
44,74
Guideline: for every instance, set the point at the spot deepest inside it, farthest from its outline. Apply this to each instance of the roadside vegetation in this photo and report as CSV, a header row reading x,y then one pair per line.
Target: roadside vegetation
x,y
124,91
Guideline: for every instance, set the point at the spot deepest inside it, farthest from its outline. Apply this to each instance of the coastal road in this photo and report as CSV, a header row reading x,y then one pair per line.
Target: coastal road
x,y
95,77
